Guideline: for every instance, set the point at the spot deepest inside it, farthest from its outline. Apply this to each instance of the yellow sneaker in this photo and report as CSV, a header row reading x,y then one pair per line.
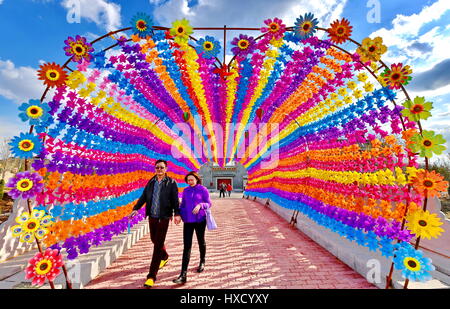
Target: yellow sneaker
x,y
163,263
149,283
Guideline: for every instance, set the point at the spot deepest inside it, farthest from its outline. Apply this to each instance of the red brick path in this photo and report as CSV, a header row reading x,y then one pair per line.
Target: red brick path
x,y
252,248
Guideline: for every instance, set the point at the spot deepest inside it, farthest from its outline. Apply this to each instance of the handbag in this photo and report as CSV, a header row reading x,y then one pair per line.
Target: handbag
x,y
210,222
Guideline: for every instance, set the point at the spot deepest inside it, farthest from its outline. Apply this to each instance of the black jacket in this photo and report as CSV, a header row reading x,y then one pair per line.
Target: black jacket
x,y
168,198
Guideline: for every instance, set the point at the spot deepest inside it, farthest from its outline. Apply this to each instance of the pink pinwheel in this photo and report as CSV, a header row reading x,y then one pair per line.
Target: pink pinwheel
x,y
275,28
82,67
44,266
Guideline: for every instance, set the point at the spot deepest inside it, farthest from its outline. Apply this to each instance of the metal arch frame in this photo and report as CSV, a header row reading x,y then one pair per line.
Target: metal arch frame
x,y
225,28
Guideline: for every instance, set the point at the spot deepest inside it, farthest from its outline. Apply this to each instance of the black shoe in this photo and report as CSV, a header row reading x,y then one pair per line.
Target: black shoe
x,y
181,279
201,267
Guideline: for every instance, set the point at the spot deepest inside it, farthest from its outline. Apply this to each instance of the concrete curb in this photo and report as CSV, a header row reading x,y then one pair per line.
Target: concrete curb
x,y
356,257
80,270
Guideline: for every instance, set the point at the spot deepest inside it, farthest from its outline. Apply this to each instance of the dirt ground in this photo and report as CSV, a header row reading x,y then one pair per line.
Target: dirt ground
x,y
5,207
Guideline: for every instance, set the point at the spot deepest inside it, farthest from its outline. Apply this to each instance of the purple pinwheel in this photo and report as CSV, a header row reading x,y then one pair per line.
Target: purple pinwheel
x,y
25,185
244,45
78,48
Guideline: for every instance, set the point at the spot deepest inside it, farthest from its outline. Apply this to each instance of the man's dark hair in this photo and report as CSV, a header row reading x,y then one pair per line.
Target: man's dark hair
x,y
161,160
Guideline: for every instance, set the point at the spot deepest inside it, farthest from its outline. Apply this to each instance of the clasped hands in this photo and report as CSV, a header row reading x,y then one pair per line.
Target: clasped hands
x,y
177,219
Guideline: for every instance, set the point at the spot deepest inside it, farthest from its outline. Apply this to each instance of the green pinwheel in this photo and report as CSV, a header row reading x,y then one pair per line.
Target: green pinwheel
x,y
427,143
417,109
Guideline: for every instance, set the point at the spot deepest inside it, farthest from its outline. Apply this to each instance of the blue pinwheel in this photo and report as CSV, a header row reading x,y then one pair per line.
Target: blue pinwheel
x,y
208,47
26,145
142,25
305,26
413,265
34,112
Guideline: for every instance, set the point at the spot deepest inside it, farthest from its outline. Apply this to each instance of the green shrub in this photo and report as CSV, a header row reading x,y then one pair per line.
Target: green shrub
x,y
443,168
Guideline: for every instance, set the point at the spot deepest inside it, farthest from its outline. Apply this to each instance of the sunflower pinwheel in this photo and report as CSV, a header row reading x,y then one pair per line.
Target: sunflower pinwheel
x,y
25,185
244,45
424,224
44,266
371,50
142,25
397,75
34,111
429,183
78,48
305,26
413,265
427,143
417,109
181,30
275,28
340,31
26,145
34,224
52,74
208,47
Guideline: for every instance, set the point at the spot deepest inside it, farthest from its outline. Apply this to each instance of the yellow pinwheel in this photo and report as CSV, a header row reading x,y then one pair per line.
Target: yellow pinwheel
x,y
34,224
424,224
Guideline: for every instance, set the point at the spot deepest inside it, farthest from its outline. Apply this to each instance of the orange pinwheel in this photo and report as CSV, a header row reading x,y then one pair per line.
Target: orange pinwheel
x,y
429,183
340,31
52,74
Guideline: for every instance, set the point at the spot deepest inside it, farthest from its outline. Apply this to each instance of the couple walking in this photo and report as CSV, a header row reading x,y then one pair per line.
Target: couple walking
x,y
223,188
161,198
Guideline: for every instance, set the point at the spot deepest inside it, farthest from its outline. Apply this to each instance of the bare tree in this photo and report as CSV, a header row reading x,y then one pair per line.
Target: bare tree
x,y
5,153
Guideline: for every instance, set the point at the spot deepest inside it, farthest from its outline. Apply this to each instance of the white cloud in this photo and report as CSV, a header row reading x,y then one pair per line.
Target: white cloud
x,y
91,36
105,14
156,2
403,38
411,24
245,14
425,53
431,93
249,13
19,84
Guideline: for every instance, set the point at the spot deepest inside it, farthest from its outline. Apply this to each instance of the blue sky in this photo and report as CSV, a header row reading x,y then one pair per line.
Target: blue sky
x,y
417,32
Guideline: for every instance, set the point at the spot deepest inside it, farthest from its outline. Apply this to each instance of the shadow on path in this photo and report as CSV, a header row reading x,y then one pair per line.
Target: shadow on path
x,y
252,248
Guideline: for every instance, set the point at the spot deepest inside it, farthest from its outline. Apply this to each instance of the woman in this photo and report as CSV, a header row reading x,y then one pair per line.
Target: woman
x,y
229,189
194,201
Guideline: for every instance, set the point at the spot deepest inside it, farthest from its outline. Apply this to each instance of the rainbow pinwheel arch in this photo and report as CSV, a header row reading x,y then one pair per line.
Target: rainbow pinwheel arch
x,y
347,152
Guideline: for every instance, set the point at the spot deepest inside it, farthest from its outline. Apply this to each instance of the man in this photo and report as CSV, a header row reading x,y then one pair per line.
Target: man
x,y
221,190
161,198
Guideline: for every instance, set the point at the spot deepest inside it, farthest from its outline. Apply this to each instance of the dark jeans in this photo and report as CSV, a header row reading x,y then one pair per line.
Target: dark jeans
x,y
158,232
222,192
188,232
229,193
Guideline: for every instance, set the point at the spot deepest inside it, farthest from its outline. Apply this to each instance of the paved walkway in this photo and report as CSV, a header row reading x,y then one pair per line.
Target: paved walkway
x,y
252,248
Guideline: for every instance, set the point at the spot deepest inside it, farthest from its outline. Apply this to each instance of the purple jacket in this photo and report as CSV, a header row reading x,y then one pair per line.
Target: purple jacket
x,y
192,196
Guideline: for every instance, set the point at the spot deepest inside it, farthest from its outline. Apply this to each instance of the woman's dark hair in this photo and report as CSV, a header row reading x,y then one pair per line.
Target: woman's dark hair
x,y
161,160
199,181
